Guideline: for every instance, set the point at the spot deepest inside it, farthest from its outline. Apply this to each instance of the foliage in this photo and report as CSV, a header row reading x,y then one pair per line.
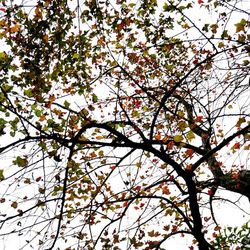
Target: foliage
x,y
120,120
233,236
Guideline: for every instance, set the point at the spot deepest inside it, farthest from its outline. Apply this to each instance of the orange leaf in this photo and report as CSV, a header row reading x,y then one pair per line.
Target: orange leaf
x,y
217,228
99,137
92,154
165,190
170,145
15,28
189,153
46,38
42,118
158,136
38,13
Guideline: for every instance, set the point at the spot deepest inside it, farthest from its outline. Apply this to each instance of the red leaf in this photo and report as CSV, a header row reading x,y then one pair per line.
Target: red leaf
x,y
210,192
113,168
170,145
236,145
38,178
125,204
138,91
200,1
189,153
237,186
199,118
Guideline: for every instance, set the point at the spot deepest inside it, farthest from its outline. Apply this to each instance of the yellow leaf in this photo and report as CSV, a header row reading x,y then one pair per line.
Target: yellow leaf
x,y
178,138
3,55
182,125
190,135
181,114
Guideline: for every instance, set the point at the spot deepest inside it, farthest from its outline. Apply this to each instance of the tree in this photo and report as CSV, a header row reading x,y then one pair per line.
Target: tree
x,y
121,121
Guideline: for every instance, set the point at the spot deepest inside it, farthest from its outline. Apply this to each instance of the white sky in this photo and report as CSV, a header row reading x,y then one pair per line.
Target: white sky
x,y
226,213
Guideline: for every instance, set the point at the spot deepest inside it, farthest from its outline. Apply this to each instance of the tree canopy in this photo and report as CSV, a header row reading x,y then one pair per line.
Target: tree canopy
x,y
122,122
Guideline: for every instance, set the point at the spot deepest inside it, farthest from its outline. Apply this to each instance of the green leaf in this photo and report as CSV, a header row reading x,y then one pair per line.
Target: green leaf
x,y
66,104
21,162
241,25
28,92
94,98
75,56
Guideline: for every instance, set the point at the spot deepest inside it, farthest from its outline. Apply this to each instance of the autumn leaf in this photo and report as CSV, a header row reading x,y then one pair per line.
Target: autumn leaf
x,y
1,175
170,145
217,228
99,137
153,233
190,135
240,121
15,28
210,192
46,38
158,137
38,13
189,153
165,190
236,146
178,138
38,178
182,125
14,204
113,168
3,55
241,25
42,118
199,119
200,1
21,162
